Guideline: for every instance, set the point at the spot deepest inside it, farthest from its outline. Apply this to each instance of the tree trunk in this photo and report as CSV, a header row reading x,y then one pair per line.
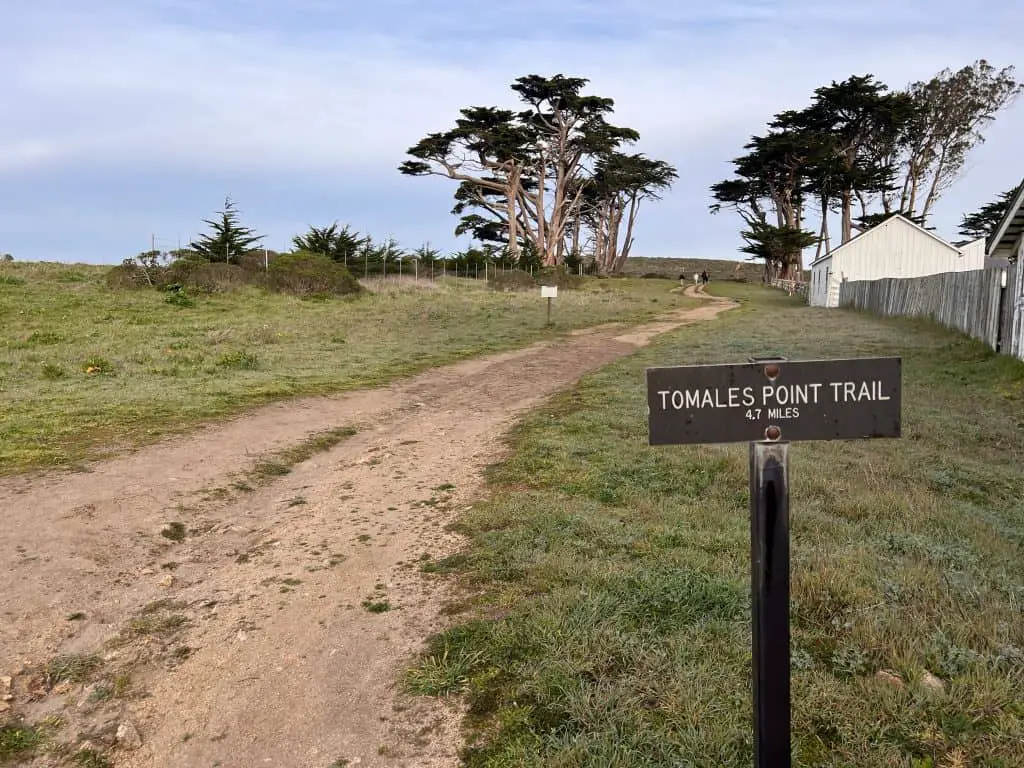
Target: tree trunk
x,y
847,233
576,232
933,191
823,231
513,233
634,208
863,204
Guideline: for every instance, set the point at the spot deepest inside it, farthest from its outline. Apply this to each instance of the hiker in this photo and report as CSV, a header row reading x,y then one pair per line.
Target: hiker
x,y
696,278
704,277
682,280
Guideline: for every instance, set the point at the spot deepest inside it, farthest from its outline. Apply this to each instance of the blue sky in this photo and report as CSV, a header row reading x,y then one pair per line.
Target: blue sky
x,y
124,120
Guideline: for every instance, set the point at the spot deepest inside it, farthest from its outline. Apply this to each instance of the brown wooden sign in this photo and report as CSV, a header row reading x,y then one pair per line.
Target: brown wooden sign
x,y
777,400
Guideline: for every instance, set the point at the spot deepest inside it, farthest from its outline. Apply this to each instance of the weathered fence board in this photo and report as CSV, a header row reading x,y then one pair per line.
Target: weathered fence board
x,y
1012,321
966,301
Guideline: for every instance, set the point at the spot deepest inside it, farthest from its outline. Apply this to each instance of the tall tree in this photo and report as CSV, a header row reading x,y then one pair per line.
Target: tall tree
x,y
770,178
951,110
850,122
571,129
620,183
987,218
523,175
485,152
229,240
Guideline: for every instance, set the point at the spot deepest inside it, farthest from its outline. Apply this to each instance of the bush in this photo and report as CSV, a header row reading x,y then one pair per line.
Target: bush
x,y
255,262
309,274
217,277
513,280
561,277
239,360
126,276
179,298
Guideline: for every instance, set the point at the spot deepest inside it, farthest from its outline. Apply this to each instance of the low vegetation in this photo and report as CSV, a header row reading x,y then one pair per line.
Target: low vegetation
x,y
671,269
87,370
613,578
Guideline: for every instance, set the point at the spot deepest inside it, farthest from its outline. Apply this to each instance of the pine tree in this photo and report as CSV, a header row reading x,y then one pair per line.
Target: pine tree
x,y
228,240
983,221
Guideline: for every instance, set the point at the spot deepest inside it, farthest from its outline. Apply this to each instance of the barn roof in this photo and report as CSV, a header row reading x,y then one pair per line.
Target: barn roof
x,y
877,228
1009,229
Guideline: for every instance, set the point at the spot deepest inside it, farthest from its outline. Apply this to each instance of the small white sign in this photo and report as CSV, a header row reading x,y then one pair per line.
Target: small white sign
x,y
549,291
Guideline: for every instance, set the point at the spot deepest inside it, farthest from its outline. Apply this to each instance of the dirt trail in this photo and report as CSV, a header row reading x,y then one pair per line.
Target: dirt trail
x,y
261,651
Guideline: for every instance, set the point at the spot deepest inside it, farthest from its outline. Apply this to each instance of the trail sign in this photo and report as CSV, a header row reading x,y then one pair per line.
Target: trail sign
x,y
805,400
767,402
549,292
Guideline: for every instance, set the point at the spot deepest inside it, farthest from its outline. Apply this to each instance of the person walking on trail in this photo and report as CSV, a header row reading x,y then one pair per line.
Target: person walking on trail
x,y
682,280
704,277
696,278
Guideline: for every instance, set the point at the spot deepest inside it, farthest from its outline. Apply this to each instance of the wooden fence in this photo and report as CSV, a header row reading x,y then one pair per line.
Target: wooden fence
x,y
975,303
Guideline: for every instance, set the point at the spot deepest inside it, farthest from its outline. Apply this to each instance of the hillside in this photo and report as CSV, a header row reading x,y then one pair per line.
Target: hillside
x,y
718,269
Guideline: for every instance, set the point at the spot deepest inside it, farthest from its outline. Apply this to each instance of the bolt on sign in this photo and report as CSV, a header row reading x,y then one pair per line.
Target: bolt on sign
x,y
806,400
767,402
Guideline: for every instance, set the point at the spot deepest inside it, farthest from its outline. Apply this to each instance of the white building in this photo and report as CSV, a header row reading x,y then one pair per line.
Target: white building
x,y
895,248
973,252
1007,242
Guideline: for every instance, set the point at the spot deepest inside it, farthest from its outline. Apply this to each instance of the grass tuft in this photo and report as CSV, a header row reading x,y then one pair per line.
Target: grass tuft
x,y
17,741
72,668
175,531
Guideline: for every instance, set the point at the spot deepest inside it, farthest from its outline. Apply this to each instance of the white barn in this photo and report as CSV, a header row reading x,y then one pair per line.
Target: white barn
x,y
1007,242
895,248
974,253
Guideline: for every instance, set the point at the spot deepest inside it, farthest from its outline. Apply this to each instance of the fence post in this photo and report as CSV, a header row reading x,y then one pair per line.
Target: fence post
x,y
769,545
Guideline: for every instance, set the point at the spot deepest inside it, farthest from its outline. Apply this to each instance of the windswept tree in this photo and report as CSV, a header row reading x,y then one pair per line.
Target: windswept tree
x,y
523,176
769,182
229,240
620,183
858,143
486,152
987,218
849,124
950,112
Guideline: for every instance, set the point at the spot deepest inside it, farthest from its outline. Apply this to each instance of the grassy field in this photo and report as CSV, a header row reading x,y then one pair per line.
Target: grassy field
x,y
718,269
86,371
606,615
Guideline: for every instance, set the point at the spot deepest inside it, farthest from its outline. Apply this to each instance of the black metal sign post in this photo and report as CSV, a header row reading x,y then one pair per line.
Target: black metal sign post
x,y
761,402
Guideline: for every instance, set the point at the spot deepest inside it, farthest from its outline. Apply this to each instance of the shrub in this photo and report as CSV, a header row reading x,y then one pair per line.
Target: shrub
x,y
240,360
561,277
216,277
513,280
125,276
180,271
52,371
308,274
255,262
179,298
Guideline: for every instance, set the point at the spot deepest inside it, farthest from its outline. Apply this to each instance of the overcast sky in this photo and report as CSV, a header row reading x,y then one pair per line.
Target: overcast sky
x,y
123,119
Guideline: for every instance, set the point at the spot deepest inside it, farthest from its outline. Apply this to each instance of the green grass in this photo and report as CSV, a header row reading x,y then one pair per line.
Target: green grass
x,y
717,269
87,372
614,577
18,741
73,668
